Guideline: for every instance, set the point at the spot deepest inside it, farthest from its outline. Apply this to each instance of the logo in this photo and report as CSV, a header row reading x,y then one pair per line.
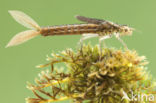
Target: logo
x,y
138,97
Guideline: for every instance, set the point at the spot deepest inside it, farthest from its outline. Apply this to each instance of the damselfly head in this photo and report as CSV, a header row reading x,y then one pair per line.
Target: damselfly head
x,y
125,30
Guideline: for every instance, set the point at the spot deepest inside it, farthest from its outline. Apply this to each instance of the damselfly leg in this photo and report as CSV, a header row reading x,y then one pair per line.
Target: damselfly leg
x,y
88,36
85,37
117,35
102,38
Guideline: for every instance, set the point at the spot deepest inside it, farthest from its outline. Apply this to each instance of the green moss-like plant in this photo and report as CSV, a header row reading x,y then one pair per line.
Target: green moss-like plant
x,y
94,76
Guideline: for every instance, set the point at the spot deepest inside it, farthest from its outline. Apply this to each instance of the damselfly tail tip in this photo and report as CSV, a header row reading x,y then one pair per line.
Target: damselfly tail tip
x,y
11,11
8,45
24,19
22,37
11,43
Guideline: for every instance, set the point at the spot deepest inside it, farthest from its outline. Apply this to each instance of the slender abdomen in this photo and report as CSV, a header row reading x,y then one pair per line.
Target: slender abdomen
x,y
75,29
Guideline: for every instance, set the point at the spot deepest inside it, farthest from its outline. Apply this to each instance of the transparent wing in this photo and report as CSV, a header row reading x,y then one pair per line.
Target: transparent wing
x,y
22,37
24,19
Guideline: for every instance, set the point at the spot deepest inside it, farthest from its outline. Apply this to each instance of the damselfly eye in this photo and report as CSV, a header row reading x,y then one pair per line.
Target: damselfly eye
x,y
126,30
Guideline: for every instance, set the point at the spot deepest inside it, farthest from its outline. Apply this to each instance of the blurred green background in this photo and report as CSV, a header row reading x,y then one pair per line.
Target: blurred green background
x,y
17,64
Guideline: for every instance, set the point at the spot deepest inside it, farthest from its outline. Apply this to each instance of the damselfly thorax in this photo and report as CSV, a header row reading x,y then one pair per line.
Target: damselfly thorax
x,y
91,28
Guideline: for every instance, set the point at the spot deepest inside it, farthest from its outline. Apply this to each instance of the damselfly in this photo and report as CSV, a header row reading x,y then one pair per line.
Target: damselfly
x,y
91,28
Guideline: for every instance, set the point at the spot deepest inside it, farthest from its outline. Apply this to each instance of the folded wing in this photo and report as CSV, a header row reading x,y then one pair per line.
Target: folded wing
x,y
89,20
